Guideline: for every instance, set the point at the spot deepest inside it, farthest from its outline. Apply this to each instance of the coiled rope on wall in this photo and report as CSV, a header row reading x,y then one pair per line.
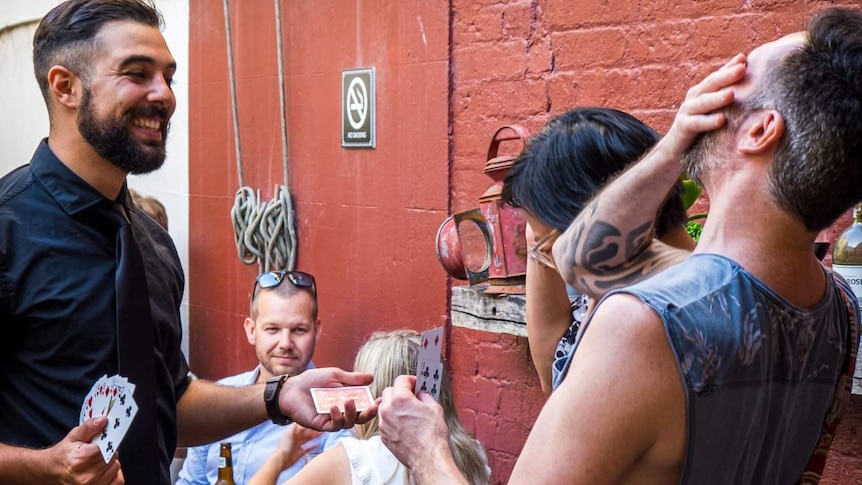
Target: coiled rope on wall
x,y
264,231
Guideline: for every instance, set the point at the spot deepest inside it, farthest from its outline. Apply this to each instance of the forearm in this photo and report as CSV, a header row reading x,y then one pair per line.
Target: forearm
x,y
438,468
23,466
549,316
605,245
268,473
208,412
610,243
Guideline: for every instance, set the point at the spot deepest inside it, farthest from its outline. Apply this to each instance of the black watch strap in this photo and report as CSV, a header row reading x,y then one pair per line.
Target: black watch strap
x,y
270,398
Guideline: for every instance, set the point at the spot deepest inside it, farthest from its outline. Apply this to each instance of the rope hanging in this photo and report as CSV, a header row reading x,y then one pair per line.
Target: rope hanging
x,y
263,231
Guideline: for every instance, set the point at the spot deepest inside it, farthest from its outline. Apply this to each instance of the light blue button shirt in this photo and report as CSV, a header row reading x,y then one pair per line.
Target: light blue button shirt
x,y
249,448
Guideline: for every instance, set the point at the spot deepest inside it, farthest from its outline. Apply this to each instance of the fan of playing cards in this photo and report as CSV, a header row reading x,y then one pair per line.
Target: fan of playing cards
x,y
110,397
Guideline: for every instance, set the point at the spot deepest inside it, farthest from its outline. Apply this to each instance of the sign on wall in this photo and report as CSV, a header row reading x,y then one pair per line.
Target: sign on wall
x,y
357,108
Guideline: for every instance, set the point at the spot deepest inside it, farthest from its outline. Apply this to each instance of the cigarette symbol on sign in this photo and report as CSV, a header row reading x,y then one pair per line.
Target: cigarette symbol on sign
x,y
357,103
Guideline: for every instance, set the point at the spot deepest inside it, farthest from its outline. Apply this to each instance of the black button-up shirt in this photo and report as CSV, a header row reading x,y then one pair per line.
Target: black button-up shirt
x,y
58,305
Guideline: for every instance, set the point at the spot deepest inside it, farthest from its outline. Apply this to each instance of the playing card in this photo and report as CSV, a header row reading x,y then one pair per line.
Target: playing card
x,y
101,405
429,368
326,397
430,343
107,395
429,378
92,398
122,411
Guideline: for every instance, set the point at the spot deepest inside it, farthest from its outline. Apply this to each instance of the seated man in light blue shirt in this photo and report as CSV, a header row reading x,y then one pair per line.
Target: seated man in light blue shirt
x,y
283,328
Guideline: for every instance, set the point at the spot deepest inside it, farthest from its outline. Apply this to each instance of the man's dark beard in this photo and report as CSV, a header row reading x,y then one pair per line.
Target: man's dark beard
x,y
111,138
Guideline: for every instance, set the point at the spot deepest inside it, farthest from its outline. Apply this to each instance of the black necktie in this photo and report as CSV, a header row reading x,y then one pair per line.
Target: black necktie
x,y
138,453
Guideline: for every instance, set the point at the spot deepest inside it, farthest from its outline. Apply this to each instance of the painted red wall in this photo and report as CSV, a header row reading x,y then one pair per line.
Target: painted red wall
x,y
367,218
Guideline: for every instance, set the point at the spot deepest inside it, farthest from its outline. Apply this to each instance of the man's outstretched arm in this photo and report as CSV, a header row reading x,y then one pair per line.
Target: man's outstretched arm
x,y
208,412
610,243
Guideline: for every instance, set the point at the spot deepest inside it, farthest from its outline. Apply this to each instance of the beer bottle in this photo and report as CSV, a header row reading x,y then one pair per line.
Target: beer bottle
x,y
225,466
847,255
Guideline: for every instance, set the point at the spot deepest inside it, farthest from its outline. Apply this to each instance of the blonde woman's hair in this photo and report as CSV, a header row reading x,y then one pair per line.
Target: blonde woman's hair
x,y
387,355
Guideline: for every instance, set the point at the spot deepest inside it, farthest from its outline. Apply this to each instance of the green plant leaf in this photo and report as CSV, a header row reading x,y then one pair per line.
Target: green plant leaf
x,y
694,229
691,191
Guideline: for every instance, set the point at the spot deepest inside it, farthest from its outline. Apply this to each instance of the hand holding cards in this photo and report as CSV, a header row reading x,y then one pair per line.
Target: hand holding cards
x,y
110,397
429,371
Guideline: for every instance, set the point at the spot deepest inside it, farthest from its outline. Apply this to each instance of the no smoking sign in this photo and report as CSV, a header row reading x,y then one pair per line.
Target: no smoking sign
x,y
357,108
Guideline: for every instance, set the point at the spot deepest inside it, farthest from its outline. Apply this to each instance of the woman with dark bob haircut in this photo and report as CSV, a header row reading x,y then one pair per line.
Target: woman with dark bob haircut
x,y
559,171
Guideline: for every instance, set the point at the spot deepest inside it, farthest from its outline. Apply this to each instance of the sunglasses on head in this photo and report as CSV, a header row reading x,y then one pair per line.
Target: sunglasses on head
x,y
274,278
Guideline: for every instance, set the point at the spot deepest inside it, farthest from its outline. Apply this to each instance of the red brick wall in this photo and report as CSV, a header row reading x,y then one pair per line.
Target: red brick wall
x,y
497,391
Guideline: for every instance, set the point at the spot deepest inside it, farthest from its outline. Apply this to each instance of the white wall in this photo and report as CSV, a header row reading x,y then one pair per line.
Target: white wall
x,y
24,120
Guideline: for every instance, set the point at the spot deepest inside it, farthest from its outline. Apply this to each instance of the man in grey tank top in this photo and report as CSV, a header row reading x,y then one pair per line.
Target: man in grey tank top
x,y
729,366
725,368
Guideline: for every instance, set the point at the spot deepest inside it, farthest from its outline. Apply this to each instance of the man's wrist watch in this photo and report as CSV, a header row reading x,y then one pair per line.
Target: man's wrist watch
x,y
270,398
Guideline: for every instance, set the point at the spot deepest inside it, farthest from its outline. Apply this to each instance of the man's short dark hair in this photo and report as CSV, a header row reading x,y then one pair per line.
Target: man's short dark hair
x,y
572,157
67,34
816,173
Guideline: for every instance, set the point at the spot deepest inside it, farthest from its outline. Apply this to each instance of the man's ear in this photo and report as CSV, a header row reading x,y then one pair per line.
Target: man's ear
x,y
763,134
318,326
248,325
65,87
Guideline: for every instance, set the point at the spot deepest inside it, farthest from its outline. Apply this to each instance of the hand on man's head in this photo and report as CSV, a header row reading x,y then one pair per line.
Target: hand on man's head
x,y
701,111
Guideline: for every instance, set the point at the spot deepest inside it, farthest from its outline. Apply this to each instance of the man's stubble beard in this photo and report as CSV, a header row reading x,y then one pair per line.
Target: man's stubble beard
x,y
701,156
711,149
